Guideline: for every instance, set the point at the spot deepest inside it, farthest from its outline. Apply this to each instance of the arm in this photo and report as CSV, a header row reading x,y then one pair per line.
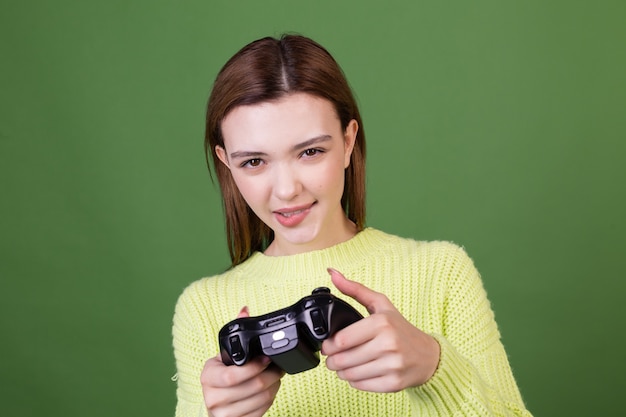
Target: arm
x,y
474,376
190,353
463,371
209,385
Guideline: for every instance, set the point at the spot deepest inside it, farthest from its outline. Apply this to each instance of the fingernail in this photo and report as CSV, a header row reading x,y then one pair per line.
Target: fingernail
x,y
243,312
331,270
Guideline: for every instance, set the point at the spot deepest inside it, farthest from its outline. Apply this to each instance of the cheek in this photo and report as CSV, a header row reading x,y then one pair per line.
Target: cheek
x,y
250,190
331,180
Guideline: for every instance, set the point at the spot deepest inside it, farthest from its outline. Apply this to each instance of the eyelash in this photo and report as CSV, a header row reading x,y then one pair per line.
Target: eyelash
x,y
315,150
250,163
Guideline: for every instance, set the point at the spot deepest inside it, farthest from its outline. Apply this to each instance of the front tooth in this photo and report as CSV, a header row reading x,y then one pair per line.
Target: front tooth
x,y
292,213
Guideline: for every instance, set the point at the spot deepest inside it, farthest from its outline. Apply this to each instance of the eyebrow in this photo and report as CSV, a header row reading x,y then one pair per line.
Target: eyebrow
x,y
301,145
246,154
312,141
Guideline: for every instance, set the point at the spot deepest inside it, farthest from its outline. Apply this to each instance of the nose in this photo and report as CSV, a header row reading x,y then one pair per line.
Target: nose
x,y
287,184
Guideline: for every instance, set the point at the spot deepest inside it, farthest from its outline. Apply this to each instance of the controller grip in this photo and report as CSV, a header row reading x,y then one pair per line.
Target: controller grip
x,y
291,337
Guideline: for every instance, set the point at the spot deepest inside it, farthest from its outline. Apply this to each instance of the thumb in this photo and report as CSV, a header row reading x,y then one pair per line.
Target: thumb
x,y
244,312
373,301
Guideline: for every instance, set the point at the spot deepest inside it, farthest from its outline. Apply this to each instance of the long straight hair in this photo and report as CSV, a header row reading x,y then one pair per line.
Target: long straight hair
x,y
266,70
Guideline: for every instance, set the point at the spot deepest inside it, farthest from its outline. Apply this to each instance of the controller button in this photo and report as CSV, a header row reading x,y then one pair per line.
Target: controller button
x,y
235,348
233,327
309,303
321,290
274,322
319,327
278,335
280,343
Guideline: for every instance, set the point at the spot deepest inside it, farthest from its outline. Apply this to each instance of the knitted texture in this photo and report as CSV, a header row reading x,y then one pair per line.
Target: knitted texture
x,y
433,284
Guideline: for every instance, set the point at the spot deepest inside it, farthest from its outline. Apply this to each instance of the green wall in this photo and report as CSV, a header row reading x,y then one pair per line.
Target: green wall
x,y
498,125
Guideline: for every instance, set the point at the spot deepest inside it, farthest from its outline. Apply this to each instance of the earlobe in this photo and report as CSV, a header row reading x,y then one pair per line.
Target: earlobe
x,y
349,139
221,154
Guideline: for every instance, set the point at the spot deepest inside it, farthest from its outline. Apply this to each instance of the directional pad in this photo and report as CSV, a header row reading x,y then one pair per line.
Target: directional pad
x,y
319,326
235,348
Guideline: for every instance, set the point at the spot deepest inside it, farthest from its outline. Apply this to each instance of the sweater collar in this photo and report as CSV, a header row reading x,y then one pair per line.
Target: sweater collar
x,y
342,256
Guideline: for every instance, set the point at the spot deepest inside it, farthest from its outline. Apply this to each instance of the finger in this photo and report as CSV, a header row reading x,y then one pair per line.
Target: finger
x,y
340,359
373,301
260,402
243,399
349,337
362,372
380,384
255,405
381,374
216,374
261,383
244,312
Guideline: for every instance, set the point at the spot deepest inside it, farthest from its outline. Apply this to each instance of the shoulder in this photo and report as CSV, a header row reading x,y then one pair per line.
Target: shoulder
x,y
441,260
434,248
199,295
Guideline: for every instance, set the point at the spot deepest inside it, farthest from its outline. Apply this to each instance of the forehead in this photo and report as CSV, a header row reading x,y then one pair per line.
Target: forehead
x,y
288,120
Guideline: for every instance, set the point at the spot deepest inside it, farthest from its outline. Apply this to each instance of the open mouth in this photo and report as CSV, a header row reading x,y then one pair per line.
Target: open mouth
x,y
291,217
291,213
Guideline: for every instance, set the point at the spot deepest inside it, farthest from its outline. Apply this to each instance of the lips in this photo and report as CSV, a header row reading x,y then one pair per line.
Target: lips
x,y
292,216
292,213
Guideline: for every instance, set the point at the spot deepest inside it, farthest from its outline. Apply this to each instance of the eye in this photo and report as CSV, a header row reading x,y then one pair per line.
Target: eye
x,y
252,163
309,153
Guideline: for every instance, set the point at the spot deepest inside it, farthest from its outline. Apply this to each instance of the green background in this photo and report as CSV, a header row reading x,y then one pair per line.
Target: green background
x,y
498,125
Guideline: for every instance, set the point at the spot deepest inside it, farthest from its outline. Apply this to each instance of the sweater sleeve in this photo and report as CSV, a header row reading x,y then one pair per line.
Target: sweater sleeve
x,y
474,377
189,356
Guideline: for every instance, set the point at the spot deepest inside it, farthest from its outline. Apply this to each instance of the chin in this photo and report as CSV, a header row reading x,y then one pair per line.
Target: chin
x,y
300,239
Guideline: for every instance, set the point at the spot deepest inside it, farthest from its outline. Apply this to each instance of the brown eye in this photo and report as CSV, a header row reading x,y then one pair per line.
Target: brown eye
x,y
253,163
311,152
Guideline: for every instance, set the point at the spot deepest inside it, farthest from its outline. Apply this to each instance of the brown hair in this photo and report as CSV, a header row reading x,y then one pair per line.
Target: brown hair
x,y
265,70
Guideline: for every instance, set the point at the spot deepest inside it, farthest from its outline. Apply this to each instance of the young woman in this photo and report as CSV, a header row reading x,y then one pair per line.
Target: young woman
x,y
288,147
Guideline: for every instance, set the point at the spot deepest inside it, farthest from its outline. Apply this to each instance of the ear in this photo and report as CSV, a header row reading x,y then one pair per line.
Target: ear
x,y
349,140
221,154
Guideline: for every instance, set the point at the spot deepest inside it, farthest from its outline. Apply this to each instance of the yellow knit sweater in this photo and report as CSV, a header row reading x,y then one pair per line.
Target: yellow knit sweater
x,y
433,284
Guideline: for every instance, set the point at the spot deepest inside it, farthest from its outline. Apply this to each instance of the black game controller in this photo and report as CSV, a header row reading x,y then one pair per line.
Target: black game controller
x,y
291,337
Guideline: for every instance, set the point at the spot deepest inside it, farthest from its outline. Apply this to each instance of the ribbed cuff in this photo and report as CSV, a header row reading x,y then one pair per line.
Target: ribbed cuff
x,y
454,388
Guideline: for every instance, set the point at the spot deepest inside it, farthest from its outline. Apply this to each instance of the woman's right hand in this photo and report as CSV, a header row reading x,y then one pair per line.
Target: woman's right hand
x,y
247,390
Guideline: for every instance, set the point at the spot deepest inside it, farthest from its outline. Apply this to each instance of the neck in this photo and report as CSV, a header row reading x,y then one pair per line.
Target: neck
x,y
341,233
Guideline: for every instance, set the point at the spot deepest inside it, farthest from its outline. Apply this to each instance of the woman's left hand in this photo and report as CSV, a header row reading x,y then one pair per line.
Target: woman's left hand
x,y
382,352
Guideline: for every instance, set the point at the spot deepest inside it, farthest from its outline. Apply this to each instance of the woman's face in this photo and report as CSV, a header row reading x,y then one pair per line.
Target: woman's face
x,y
288,159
